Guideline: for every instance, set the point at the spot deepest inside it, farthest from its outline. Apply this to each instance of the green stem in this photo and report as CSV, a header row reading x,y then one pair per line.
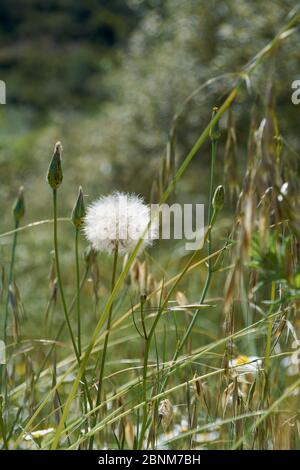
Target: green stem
x,y
10,278
211,218
144,388
143,319
147,344
214,145
78,292
269,332
259,58
3,382
59,278
2,426
61,328
104,351
62,295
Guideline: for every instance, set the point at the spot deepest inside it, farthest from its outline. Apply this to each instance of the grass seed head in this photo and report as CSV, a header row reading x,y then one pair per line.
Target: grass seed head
x,y
165,413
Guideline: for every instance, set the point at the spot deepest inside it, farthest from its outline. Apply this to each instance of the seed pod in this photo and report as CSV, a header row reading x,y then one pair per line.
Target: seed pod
x,y
218,198
214,132
19,206
165,413
78,212
55,174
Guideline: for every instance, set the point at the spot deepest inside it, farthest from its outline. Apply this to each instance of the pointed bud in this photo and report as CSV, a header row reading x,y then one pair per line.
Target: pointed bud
x,y
78,212
218,198
55,174
19,206
214,132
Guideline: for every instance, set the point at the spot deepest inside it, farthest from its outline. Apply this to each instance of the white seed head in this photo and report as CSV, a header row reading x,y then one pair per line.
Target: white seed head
x,y
119,221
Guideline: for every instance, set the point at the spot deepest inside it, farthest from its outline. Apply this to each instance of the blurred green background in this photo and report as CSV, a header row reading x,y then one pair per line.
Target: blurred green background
x,y
106,77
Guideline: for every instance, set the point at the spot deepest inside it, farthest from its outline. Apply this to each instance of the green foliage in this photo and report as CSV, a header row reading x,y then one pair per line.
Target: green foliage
x,y
235,300
36,37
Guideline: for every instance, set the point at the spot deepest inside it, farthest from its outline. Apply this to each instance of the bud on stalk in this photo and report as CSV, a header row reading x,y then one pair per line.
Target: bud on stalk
x,y
78,212
19,206
55,174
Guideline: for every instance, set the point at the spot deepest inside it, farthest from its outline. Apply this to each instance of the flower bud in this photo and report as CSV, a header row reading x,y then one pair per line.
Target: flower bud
x,y
214,132
78,212
218,198
55,174
19,206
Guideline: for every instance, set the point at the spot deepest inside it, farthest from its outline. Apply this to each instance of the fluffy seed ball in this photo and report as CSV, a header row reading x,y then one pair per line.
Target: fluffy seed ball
x,y
119,221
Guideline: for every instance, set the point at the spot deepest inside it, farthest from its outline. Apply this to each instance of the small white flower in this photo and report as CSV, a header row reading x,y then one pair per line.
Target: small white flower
x,y
245,368
119,221
283,191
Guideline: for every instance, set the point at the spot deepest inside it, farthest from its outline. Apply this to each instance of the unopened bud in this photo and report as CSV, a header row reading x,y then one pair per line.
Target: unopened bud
x,y
78,212
214,132
218,198
19,206
55,174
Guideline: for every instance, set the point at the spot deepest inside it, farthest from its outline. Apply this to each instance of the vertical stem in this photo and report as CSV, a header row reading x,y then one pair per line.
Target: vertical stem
x,y
2,426
214,145
10,278
59,279
107,330
211,218
269,332
62,295
143,319
78,292
104,351
3,381
144,387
